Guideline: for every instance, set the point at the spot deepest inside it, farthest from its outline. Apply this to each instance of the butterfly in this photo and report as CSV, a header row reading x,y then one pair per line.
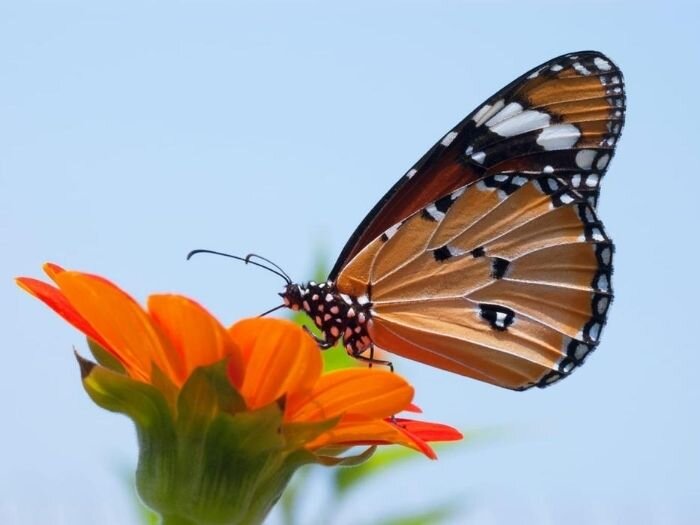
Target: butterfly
x,y
487,258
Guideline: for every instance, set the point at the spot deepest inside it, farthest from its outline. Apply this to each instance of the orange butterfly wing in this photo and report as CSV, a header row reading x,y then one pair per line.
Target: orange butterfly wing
x,y
506,281
562,117
487,258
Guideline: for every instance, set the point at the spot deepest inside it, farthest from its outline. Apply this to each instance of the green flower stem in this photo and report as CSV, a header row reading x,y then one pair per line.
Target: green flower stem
x,y
175,520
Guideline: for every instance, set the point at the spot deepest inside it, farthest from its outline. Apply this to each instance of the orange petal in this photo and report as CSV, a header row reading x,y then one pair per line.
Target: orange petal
x,y
413,408
367,432
368,392
429,431
54,299
418,442
280,359
196,337
119,320
52,270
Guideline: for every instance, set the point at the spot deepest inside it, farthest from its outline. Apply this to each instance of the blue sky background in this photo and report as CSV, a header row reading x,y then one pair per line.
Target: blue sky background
x,y
132,132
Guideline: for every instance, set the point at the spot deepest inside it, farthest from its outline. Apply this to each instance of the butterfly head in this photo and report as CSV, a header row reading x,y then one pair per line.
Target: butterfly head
x,y
293,296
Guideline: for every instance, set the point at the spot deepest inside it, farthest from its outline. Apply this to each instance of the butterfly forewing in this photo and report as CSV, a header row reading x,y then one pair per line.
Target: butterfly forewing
x,y
563,117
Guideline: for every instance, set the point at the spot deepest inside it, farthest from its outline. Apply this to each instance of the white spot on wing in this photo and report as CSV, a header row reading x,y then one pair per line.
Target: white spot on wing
x,y
592,180
558,136
479,157
501,319
447,139
602,162
392,231
507,112
484,115
457,193
434,212
483,110
520,123
552,379
584,158
602,64
411,173
566,198
581,69
581,351
602,305
556,67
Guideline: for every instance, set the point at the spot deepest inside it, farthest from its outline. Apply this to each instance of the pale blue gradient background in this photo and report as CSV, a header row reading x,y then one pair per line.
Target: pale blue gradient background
x,y
131,133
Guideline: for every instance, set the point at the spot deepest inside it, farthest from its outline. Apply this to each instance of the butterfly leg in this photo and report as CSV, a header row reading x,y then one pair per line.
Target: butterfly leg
x,y
323,344
372,361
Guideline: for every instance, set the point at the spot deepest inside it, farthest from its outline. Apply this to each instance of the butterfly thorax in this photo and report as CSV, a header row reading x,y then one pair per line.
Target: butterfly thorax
x,y
336,314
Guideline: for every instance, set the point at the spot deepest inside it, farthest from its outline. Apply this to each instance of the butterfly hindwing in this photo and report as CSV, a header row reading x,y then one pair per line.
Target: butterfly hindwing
x,y
506,280
561,118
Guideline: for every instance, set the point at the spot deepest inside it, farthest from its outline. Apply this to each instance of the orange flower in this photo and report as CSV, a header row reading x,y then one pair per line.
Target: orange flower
x,y
268,361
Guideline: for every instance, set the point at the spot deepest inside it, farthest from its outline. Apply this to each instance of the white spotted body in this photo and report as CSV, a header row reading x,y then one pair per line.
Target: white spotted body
x,y
336,315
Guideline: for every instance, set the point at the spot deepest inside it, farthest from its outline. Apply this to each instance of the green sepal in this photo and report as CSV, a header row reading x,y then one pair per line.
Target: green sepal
x,y
165,386
298,434
207,392
115,392
104,358
146,407
346,461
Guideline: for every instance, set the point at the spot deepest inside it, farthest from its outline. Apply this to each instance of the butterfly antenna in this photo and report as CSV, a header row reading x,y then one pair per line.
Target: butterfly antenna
x,y
251,255
277,271
271,310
